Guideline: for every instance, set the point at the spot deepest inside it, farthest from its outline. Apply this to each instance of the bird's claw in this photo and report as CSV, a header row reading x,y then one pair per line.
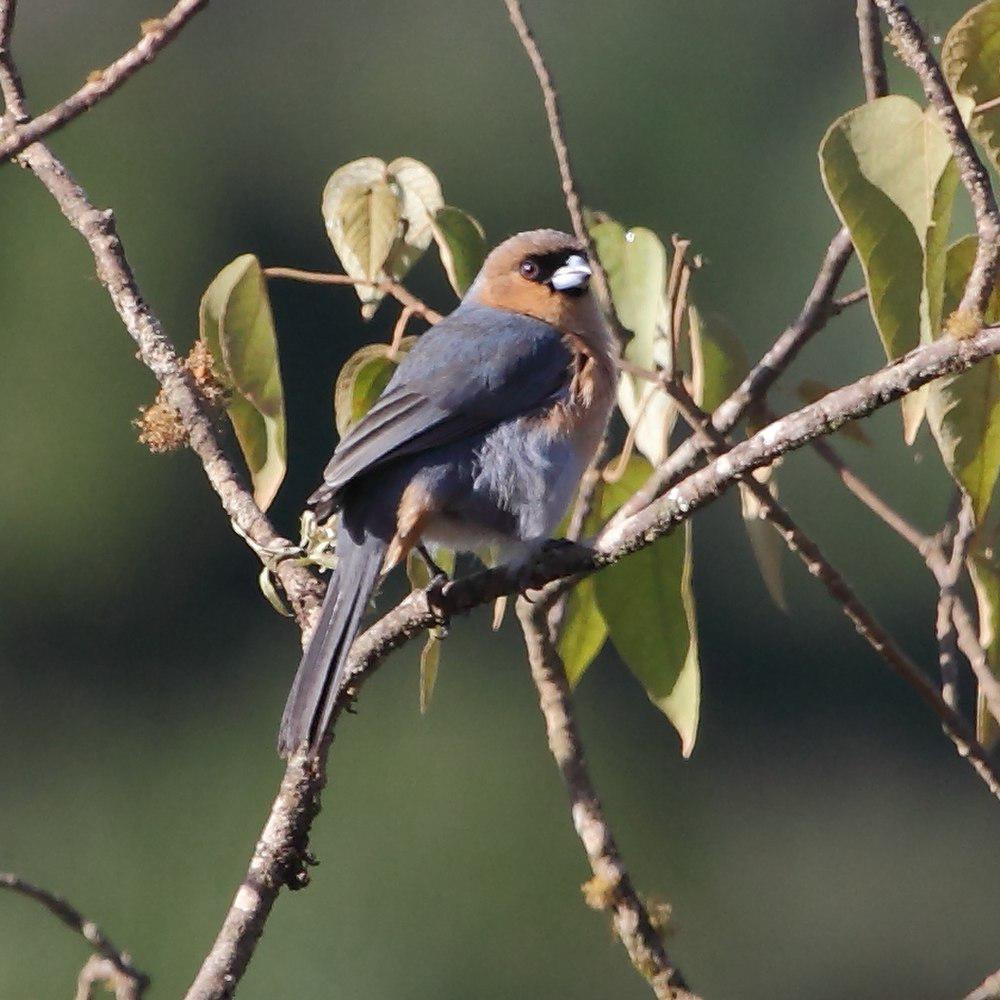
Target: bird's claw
x,y
435,593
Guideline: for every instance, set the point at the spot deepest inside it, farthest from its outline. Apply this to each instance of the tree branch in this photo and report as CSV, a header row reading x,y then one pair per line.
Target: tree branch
x,y
948,573
932,552
115,965
872,56
398,291
559,147
611,887
156,35
819,307
812,318
864,621
916,53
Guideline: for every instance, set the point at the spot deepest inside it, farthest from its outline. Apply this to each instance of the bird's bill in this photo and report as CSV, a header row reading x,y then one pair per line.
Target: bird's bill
x,y
575,273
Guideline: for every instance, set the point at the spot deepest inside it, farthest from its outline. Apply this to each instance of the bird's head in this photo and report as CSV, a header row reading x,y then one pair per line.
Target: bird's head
x,y
544,274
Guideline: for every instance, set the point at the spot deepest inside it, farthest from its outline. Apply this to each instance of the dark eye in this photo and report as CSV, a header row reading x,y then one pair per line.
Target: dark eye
x,y
529,269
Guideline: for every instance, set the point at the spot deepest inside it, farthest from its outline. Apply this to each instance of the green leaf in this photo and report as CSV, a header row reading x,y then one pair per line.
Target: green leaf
x,y
378,217
635,262
765,540
419,575
361,381
421,195
584,630
888,169
430,660
461,243
964,410
648,605
970,60
718,360
236,324
651,412
986,583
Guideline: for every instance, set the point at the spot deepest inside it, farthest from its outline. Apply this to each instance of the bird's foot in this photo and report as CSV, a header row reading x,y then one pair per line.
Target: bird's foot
x,y
435,601
433,568
530,574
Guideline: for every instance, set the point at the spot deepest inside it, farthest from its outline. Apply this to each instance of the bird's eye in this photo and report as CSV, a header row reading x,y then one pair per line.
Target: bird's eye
x,y
529,269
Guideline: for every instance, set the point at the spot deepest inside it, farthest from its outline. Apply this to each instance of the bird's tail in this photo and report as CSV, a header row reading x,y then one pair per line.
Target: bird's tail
x,y
321,672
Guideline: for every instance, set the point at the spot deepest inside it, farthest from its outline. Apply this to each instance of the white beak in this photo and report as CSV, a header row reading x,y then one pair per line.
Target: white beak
x,y
575,273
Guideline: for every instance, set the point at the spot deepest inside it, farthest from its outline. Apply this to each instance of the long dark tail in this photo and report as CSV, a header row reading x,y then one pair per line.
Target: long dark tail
x,y
321,672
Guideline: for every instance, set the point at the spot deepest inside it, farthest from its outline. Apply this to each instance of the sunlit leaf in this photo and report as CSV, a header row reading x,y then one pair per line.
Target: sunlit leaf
x,y
648,605
970,59
986,583
421,196
964,410
378,217
236,324
635,262
651,412
888,169
767,544
361,381
363,210
462,245
809,390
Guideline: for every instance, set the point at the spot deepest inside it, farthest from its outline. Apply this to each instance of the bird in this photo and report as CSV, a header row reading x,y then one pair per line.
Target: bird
x,y
480,438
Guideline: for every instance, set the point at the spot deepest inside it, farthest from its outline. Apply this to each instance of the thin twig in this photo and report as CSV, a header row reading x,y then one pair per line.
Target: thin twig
x,y
846,301
399,292
156,35
813,317
872,54
819,307
552,113
868,627
611,887
931,551
119,960
917,54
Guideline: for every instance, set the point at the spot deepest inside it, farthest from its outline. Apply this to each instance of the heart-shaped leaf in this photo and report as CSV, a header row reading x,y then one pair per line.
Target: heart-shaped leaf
x,y
635,262
888,169
970,59
361,381
964,410
378,217
237,326
648,605
461,243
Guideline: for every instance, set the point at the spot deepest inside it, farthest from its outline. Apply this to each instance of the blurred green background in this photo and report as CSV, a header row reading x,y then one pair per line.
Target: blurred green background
x,y
824,840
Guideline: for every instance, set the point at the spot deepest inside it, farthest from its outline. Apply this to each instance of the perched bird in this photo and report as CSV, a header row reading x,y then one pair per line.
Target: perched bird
x,y
479,439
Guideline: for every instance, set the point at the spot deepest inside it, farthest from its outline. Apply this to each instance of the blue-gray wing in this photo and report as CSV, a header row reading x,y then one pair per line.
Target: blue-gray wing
x,y
473,370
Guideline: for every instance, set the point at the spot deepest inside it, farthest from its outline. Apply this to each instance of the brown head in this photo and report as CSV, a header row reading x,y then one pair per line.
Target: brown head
x,y
544,274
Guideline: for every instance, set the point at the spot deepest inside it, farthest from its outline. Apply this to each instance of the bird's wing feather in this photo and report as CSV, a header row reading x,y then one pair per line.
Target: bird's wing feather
x,y
476,368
